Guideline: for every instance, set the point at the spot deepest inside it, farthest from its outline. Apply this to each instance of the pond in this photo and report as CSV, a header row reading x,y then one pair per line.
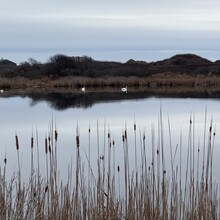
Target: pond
x,y
159,121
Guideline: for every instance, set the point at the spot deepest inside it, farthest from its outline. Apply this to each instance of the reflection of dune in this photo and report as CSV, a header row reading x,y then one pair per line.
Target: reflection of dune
x,y
63,100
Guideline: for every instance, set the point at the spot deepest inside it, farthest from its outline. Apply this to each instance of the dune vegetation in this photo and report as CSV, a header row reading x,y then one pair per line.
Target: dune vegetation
x,y
61,71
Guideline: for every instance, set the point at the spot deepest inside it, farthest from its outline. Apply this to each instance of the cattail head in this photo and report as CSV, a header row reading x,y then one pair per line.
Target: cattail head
x,y
46,146
123,138
89,130
118,168
134,126
77,141
16,141
113,142
56,135
108,135
32,142
125,134
5,160
49,148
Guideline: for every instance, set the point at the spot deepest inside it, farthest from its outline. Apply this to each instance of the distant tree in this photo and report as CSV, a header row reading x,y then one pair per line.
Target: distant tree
x,y
24,64
33,62
62,65
58,63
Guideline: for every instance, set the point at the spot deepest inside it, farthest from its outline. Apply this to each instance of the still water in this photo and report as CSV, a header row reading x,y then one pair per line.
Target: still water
x,y
26,116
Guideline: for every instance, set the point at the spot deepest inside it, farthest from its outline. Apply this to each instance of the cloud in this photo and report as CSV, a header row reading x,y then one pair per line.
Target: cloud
x,y
109,25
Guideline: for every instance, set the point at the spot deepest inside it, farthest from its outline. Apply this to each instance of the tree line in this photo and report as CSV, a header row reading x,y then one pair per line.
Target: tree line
x,y
61,66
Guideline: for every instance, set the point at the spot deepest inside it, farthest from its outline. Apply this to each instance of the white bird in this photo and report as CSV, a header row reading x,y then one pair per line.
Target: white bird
x,y
124,89
1,90
83,89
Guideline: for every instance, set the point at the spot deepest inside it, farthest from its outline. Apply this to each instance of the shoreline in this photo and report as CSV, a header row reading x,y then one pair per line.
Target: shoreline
x,y
179,83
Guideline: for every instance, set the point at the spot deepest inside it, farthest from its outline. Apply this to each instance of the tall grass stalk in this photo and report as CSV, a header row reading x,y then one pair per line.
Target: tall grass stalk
x,y
145,190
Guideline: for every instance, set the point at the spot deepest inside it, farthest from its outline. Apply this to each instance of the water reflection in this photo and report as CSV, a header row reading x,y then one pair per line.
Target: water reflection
x,y
29,113
61,100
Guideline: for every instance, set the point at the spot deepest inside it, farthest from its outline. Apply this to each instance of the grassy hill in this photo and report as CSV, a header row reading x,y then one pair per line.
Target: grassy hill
x,y
182,69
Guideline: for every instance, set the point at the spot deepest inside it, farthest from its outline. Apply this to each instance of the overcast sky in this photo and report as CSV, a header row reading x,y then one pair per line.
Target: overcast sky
x,y
109,30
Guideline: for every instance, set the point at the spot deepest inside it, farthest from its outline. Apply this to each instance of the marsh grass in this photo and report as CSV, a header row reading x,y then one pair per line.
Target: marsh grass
x,y
160,81
153,188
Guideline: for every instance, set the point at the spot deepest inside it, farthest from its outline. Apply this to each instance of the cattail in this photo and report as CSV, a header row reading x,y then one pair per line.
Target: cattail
x,y
5,160
157,151
49,148
144,138
89,130
214,133
135,127
17,143
46,146
113,142
125,135
123,138
46,189
108,135
77,141
56,135
118,168
32,142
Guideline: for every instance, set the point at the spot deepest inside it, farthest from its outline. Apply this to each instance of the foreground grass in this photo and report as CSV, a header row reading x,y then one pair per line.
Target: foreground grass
x,y
148,191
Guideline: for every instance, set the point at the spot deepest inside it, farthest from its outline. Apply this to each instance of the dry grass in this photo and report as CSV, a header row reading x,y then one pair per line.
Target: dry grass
x,y
155,81
150,191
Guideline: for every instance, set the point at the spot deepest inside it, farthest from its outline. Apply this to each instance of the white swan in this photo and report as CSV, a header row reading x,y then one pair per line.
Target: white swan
x,y
83,89
124,89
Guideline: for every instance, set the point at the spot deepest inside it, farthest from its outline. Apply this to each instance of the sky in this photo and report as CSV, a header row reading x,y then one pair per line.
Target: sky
x,y
115,30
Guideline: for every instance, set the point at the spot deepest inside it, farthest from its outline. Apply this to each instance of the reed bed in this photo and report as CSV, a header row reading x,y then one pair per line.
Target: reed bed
x,y
168,80
154,188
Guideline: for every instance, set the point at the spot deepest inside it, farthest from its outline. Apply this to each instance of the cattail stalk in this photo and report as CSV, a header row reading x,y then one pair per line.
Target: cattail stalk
x,y
19,166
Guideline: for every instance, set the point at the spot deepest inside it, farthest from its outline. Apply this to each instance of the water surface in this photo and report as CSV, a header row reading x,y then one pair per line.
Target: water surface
x,y
27,116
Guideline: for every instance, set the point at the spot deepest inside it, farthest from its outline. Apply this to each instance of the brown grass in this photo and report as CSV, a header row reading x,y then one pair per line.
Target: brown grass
x,y
147,192
156,81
